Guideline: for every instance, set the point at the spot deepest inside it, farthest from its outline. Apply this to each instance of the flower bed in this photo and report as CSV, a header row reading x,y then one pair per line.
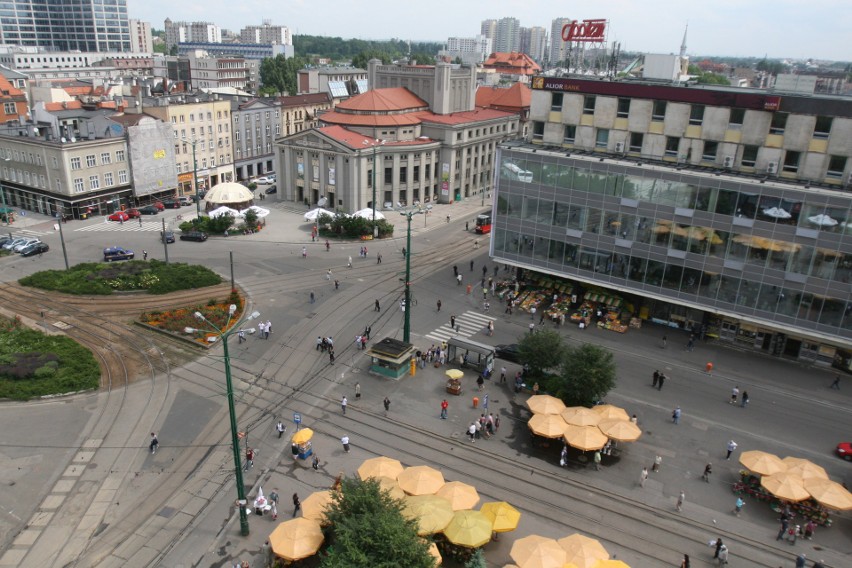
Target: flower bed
x,y
215,312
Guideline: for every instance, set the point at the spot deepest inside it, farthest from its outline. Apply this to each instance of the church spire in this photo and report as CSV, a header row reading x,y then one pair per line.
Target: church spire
x,y
683,43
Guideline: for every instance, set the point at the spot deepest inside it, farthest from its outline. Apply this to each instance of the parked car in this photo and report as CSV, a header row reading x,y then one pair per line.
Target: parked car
x,y
35,248
185,200
171,204
25,243
148,210
265,180
133,213
167,236
10,244
6,239
119,216
118,253
199,236
159,205
508,352
271,189
844,450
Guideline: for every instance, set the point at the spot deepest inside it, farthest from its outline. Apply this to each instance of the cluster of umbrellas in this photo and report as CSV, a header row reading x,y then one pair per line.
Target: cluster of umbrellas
x,y
314,214
574,551
796,479
582,428
224,210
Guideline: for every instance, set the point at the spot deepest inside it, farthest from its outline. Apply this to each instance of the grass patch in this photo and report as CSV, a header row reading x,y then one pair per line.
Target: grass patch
x,y
33,364
104,278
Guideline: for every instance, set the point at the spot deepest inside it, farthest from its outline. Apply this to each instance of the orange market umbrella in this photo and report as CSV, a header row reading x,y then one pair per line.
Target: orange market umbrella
x,y
302,436
580,416
391,486
431,512
420,480
380,467
504,517
315,505
805,468
584,438
296,539
829,493
610,411
762,463
621,430
545,404
785,485
470,529
611,564
536,551
460,495
547,425
582,551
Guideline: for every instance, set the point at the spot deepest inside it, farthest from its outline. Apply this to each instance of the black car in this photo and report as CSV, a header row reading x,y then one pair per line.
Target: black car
x,y
118,253
171,204
168,236
508,352
148,210
271,189
199,236
35,248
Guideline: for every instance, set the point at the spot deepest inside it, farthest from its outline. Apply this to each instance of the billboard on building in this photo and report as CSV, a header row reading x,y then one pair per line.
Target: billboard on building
x,y
445,179
586,31
152,157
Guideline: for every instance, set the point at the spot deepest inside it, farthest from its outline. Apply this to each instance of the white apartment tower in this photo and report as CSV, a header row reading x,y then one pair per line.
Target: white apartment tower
x,y
141,38
557,46
479,44
191,32
266,34
534,42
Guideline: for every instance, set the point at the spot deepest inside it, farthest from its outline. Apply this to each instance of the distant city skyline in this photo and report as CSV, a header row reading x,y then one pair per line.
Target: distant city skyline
x,y
775,28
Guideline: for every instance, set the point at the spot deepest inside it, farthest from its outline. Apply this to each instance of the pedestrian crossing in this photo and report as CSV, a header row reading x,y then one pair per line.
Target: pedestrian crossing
x,y
469,323
24,232
127,226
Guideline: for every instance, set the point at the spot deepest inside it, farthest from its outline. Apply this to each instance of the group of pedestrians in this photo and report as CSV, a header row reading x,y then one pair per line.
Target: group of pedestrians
x,y
482,428
326,345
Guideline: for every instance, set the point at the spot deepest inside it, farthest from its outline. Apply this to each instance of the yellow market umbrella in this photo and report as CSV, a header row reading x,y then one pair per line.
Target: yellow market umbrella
x,y
762,463
391,486
470,529
536,551
621,430
611,564
380,467
296,539
547,425
584,438
420,480
582,551
805,468
545,404
460,495
829,493
454,373
785,485
431,512
302,436
609,411
504,517
315,505
580,416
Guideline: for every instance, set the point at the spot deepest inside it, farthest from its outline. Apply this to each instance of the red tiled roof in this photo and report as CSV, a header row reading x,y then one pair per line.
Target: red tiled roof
x,y
69,105
358,141
518,96
306,99
514,62
9,90
471,116
384,100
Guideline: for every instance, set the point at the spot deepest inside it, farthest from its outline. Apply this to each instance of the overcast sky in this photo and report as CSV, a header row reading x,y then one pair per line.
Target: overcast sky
x,y
799,29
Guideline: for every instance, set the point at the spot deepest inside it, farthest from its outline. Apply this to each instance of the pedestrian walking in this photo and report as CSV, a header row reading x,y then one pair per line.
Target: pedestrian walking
x,y
658,460
783,530
738,506
681,499
532,313
386,402
597,459
731,447
313,299
836,383
452,322
337,284
357,391
343,403
723,555
656,377
643,477
268,327
345,441
144,254
280,428
744,399
439,304
563,456
349,264
455,270
718,544
690,345
458,279
327,246
331,358
664,342
249,458
241,336
535,388
471,431
685,562
502,374
448,218
304,252
378,307
708,469
735,394
471,266
315,462
328,274
661,381
378,257
140,221
155,443
444,407
800,561
676,415
297,505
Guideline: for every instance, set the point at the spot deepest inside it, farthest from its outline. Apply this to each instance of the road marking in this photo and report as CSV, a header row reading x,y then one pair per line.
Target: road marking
x,y
469,323
128,226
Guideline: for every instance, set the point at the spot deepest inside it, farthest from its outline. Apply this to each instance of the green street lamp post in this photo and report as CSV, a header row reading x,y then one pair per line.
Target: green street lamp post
x,y
406,329
235,439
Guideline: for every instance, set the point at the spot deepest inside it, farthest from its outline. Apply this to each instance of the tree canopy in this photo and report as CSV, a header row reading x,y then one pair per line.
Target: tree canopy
x,y
339,49
368,530
586,375
279,74
360,60
541,351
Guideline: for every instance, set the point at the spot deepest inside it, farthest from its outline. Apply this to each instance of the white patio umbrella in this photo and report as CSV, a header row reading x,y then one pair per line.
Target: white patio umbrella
x,y
368,214
224,211
822,220
259,211
313,214
777,213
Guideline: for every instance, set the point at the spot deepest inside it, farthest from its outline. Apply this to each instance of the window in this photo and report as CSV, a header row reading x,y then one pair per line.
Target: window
x,y
237,135
9,108
602,138
75,164
779,121
78,185
836,166
556,102
823,127
192,117
122,176
672,144
696,115
710,150
749,156
659,110
589,104
737,116
623,108
106,158
416,173
94,182
119,155
403,174
108,181
388,175
791,161
570,134
636,140
538,130
91,161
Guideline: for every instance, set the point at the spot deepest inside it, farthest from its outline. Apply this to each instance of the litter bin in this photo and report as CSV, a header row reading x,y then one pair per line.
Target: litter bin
x,y
476,402
709,367
468,289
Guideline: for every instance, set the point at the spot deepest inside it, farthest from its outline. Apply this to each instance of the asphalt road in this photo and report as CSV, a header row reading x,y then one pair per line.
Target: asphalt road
x,y
128,508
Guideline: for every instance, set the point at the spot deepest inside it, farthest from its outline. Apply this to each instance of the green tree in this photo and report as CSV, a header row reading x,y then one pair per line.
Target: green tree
x,y
477,560
367,530
586,375
541,351
279,74
360,60
422,58
713,79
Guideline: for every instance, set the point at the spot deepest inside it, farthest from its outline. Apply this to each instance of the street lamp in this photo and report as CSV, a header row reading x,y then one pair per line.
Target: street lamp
x,y
193,142
235,439
376,143
406,328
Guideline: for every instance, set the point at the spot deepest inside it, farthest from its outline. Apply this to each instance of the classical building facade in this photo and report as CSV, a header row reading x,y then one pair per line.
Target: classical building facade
x,y
256,125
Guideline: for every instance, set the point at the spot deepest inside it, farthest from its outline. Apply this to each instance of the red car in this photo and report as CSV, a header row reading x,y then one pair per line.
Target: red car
x,y
119,216
159,205
844,450
133,213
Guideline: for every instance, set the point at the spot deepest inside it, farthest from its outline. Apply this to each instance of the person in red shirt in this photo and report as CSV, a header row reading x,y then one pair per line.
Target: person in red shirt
x,y
444,406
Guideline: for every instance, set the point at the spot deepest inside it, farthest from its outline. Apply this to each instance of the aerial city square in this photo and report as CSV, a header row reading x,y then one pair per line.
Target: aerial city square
x,y
481,284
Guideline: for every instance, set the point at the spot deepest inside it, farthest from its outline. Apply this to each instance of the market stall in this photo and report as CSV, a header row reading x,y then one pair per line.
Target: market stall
x,y
808,508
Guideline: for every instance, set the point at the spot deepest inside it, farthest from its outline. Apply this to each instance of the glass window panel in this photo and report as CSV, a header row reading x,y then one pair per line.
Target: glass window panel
x,y
690,281
843,273
686,194
576,217
726,202
563,177
787,302
780,257
545,211
672,277
587,259
698,239
666,193
541,249
662,232
515,204
810,307
645,230
704,198
556,252
618,265
709,285
758,252
502,205
747,205
614,185
846,322
594,219
572,256
561,213
738,249
628,226
680,237
767,298
802,260
530,208
637,269
832,312
728,289
597,183
655,272
717,243
825,263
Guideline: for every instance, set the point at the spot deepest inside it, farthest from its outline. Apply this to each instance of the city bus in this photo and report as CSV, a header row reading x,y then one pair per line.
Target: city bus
x,y
483,224
513,171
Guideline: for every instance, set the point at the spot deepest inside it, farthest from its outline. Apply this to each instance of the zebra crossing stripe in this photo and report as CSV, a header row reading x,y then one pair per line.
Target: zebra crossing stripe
x,y
469,323
128,226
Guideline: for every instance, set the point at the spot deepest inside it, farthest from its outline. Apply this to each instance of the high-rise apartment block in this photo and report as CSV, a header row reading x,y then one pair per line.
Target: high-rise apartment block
x,y
534,42
266,33
488,28
558,48
508,36
141,38
191,32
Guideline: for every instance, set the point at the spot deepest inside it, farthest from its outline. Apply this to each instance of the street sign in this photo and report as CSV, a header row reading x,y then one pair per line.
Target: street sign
x,y
485,401
297,418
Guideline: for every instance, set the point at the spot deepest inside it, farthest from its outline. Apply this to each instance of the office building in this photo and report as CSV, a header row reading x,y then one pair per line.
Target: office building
x,y
141,38
558,48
